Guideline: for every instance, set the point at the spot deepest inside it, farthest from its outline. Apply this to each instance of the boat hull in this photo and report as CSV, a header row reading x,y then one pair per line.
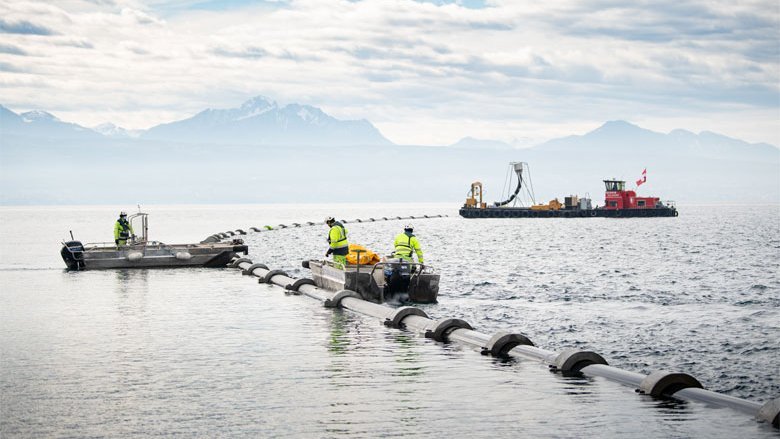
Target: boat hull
x,y
520,212
153,256
369,282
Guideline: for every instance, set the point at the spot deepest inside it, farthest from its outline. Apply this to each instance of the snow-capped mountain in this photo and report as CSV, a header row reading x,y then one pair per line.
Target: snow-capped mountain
x,y
258,121
110,130
261,121
40,124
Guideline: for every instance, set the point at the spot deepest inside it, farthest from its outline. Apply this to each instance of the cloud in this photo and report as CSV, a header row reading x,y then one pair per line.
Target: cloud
x,y
11,49
423,71
8,67
23,27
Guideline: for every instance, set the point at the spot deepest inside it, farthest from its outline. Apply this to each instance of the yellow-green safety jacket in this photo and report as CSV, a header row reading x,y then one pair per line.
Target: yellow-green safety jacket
x,y
337,238
122,231
405,244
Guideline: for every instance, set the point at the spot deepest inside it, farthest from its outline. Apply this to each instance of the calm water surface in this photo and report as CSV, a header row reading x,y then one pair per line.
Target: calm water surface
x,y
208,352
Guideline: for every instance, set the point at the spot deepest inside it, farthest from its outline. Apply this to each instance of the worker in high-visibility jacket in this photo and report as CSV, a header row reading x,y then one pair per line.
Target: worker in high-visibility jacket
x,y
406,244
337,240
122,229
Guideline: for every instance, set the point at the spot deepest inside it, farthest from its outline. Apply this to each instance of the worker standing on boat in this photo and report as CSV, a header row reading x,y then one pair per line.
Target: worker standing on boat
x,y
337,239
122,229
406,243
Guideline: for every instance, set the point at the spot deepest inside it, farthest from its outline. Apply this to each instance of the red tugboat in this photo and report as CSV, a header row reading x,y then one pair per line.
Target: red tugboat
x,y
618,202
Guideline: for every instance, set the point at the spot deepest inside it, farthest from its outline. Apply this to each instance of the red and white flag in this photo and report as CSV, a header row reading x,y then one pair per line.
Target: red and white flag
x,y
643,179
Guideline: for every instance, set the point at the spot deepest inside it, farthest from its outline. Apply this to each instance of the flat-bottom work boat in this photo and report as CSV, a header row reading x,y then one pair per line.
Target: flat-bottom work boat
x,y
142,253
393,281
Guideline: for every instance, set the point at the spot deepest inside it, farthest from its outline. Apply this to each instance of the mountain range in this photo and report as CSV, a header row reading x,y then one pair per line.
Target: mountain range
x,y
258,121
262,152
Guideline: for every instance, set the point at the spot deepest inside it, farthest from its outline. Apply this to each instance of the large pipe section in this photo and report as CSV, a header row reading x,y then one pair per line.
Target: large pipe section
x,y
657,384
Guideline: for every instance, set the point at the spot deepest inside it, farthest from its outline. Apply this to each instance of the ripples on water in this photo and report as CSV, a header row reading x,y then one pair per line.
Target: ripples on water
x,y
202,352
699,293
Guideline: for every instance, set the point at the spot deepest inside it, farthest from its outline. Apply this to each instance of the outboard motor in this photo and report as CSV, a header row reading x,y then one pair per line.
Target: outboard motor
x,y
397,274
73,254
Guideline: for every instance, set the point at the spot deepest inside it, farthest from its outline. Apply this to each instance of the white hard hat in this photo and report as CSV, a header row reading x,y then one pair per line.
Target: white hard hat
x,y
408,227
123,213
329,220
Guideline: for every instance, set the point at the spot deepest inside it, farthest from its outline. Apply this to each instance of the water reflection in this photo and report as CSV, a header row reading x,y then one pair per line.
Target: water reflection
x,y
405,355
131,287
338,342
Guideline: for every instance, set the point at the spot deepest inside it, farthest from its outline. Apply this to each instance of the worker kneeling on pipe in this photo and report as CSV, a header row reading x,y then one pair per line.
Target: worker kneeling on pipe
x,y
337,239
406,244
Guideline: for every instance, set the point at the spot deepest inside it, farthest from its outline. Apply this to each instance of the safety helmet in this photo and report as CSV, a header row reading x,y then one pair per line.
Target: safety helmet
x,y
329,220
409,227
123,213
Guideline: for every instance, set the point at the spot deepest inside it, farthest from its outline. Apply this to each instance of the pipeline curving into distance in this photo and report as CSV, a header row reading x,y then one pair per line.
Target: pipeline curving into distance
x,y
220,236
658,384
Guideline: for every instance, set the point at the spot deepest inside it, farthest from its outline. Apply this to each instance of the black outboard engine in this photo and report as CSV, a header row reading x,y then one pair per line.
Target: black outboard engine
x,y
73,254
397,272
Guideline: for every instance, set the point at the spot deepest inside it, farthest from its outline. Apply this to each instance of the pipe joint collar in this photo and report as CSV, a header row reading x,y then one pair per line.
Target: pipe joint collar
x,y
335,301
573,360
235,263
270,275
442,329
252,267
295,286
662,383
502,342
396,320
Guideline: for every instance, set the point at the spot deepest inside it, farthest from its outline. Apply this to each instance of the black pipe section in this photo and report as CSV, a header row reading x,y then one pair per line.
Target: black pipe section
x,y
219,236
519,171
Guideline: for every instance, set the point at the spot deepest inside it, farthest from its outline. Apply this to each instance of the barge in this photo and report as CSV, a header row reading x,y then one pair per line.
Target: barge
x,y
143,253
618,203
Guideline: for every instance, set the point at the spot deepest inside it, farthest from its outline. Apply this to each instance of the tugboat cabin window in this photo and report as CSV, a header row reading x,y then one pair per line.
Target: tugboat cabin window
x,y
613,204
640,203
614,185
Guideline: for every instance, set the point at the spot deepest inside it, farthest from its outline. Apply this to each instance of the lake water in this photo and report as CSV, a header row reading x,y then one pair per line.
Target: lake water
x,y
211,353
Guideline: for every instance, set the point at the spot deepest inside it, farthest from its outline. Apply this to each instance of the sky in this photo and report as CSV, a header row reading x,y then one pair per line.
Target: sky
x,y
423,72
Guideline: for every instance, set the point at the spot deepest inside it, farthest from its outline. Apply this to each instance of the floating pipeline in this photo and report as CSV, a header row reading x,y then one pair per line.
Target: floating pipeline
x,y
359,220
222,235
658,384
